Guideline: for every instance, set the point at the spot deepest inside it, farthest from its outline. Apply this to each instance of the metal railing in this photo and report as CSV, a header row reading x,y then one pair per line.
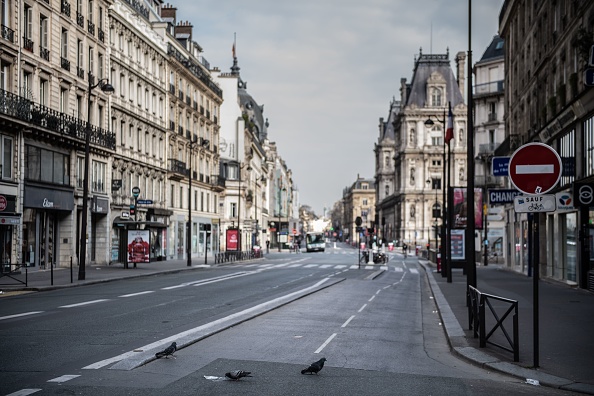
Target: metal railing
x,y
25,110
11,271
477,320
229,257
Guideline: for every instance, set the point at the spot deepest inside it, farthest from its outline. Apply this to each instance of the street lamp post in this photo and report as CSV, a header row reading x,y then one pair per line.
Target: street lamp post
x,y
445,223
108,89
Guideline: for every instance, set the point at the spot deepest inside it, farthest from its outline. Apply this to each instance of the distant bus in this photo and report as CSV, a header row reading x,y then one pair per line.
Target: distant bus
x,y
315,242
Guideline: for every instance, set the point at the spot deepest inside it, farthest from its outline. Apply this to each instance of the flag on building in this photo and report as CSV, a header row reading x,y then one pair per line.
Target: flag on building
x,y
449,135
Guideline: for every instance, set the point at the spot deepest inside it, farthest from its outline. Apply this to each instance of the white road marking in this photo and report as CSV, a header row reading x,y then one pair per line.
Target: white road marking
x,y
325,343
24,392
378,292
348,321
84,303
398,269
326,266
310,265
19,315
64,378
340,266
371,299
355,266
295,265
137,294
369,267
168,340
209,280
362,308
414,271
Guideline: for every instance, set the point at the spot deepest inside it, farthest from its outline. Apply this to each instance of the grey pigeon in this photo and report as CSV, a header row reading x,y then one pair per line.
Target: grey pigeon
x,y
167,351
237,374
315,367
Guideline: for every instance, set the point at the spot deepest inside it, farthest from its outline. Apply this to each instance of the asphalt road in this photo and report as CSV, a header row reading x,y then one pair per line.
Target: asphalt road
x,y
378,328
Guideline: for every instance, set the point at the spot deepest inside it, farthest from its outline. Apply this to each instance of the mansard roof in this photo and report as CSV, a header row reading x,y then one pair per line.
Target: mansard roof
x,y
425,66
494,50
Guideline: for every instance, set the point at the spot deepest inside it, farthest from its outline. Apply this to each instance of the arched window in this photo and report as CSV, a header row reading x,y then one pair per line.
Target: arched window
x,y
387,190
387,161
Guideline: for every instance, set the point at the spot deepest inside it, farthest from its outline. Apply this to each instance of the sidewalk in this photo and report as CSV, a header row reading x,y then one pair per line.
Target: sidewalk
x,y
38,280
566,326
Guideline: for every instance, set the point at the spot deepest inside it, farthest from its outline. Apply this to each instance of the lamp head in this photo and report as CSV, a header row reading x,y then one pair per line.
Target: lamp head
x,y
107,88
429,122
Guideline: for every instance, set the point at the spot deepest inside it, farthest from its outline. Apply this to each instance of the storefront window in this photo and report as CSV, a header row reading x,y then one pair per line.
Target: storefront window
x,y
570,246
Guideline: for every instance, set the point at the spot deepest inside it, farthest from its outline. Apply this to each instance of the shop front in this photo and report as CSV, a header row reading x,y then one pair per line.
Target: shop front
x,y
10,220
47,220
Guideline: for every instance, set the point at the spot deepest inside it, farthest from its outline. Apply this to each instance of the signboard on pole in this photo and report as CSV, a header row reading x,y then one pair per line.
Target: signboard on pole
x,y
500,166
535,168
535,203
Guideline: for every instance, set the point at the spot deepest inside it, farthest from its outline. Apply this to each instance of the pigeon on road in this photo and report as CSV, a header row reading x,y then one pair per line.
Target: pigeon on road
x,y
237,374
315,367
167,351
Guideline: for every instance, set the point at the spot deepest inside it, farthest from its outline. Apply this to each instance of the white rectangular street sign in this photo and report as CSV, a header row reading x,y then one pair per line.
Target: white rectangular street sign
x,y
535,203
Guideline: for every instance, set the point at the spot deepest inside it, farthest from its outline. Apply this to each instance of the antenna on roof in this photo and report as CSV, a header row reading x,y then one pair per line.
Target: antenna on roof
x,y
431,39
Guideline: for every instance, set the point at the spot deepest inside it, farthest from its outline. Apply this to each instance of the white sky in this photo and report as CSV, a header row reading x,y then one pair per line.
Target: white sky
x,y
326,70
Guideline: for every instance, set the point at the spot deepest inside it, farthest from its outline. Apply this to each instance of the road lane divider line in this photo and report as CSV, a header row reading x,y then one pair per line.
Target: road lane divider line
x,y
222,277
84,303
64,378
345,324
137,294
325,343
362,308
20,315
371,299
24,392
132,359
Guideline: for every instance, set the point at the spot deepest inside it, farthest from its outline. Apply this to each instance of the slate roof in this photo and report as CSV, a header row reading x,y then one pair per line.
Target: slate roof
x,y
425,65
494,50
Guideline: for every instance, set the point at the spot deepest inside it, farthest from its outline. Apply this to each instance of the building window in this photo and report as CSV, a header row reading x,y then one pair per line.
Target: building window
x,y
387,189
80,169
43,92
43,31
46,166
63,100
64,43
436,97
233,210
7,153
98,177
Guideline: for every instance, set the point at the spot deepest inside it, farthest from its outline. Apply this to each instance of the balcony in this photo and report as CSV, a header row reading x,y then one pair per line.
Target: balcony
x,y
7,33
490,88
180,95
65,8
492,117
171,125
172,89
217,182
101,34
487,149
178,170
27,44
44,53
66,127
180,130
65,63
188,100
195,106
202,110
91,27
80,19
80,72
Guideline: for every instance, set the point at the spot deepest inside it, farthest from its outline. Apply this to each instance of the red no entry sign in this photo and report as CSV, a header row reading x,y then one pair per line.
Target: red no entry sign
x,y
535,168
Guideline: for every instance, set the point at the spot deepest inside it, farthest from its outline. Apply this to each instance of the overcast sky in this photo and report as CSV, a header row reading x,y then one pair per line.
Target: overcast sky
x,y
326,70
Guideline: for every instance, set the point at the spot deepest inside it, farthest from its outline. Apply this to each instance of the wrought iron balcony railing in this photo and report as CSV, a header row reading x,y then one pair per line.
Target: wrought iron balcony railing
x,y
101,34
25,110
44,53
65,63
80,19
65,8
178,167
27,44
7,33
80,72
91,27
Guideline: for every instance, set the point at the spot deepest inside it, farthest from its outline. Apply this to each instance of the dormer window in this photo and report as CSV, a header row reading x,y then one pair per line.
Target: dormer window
x,y
436,90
